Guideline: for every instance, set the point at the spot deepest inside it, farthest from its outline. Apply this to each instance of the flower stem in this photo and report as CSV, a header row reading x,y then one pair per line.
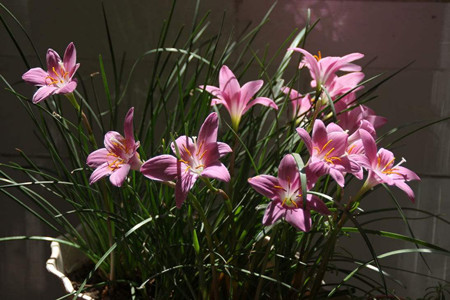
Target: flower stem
x,y
84,119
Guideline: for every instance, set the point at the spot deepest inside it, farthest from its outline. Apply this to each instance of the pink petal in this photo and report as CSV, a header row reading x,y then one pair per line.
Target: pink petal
x,y
43,93
99,173
185,147
404,187
184,184
272,214
265,185
299,218
370,147
162,168
347,66
35,76
68,88
261,100
53,60
311,62
288,173
249,89
407,173
217,171
70,57
213,90
304,135
98,157
128,128
223,149
74,69
114,142
319,134
338,176
119,175
228,83
316,204
208,131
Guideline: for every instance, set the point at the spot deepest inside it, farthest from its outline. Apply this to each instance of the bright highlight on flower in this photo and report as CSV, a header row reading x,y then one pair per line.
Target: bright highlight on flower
x,y
198,157
235,98
285,191
118,157
59,76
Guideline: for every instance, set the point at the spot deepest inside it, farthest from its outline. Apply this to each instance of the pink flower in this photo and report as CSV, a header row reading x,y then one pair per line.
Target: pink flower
x,y
118,157
300,104
198,157
382,168
351,120
236,99
285,191
323,70
327,149
59,76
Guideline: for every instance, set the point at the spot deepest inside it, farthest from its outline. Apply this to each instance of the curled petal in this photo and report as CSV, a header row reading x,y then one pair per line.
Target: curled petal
x,y
35,76
304,135
406,188
114,142
68,88
119,175
162,167
223,149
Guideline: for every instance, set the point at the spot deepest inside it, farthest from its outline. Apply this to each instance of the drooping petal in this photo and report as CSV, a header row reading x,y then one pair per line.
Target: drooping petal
x,y
217,171
229,84
208,130
98,157
184,184
43,93
102,171
35,76
162,168
273,213
406,188
119,175
288,173
265,185
68,88
299,218
260,100
70,57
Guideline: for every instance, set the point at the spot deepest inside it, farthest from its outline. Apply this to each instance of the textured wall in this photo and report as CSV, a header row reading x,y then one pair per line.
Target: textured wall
x,y
393,33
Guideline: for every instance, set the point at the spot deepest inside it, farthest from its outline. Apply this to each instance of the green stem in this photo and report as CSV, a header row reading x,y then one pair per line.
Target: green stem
x,y
84,119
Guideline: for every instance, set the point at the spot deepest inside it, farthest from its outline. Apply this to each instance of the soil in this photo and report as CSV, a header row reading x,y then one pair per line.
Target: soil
x,y
120,291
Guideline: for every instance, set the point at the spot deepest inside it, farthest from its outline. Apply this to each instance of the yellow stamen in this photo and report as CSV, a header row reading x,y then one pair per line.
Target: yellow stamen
x,y
203,154
199,166
200,148
186,149
279,187
319,56
390,162
324,146
351,148
183,161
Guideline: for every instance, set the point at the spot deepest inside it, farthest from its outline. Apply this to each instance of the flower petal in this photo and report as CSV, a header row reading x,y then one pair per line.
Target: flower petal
x,y
228,84
316,204
208,131
102,171
288,173
370,147
265,185
319,134
223,149
70,57
406,188
185,147
249,89
114,142
184,184
162,168
119,175
128,128
273,213
217,171
68,88
304,135
43,93
299,218
98,157
260,100
35,76
53,60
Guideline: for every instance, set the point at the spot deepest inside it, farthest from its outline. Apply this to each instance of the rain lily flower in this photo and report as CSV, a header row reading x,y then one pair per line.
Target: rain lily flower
x,y
382,168
351,120
236,99
198,157
58,79
118,157
327,149
323,70
300,104
285,191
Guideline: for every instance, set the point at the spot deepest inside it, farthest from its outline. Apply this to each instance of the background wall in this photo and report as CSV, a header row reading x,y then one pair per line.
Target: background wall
x,y
390,33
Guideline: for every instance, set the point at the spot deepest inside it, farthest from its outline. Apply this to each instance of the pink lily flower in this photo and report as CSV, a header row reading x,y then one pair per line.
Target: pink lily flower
x,y
118,157
58,79
323,70
300,104
285,191
382,168
327,149
198,157
235,98
351,120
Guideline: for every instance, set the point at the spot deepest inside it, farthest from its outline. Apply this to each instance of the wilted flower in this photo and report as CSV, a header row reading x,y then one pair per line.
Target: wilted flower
x,y
58,79
118,157
198,157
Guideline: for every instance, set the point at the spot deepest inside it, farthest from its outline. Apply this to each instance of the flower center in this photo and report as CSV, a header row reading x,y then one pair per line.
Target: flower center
x,y
59,78
327,157
387,169
291,198
194,162
116,163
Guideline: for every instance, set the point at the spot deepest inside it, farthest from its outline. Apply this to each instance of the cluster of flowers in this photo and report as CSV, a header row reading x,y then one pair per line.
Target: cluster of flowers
x,y
335,150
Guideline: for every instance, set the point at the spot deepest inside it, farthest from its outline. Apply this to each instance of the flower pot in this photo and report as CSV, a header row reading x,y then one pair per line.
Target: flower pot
x,y
64,260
